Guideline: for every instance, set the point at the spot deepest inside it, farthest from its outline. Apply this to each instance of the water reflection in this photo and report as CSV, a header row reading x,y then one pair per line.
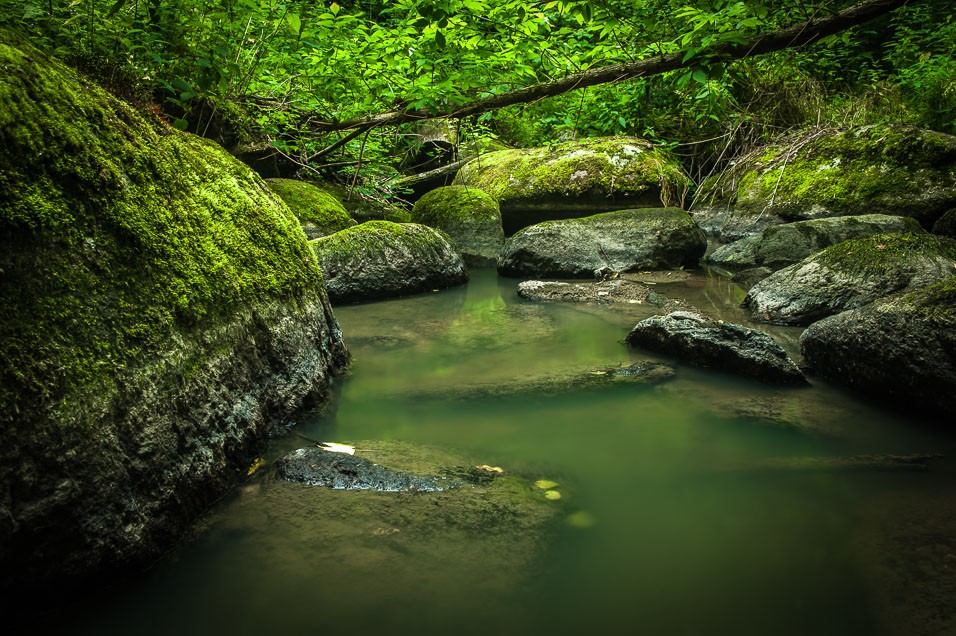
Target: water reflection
x,y
684,536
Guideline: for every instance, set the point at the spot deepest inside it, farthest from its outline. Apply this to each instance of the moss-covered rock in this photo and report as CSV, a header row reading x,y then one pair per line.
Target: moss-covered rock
x,y
900,349
381,259
897,170
469,217
621,241
362,207
851,274
579,177
159,306
782,245
319,212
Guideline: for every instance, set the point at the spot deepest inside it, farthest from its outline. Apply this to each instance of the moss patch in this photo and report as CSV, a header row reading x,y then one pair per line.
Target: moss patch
x,y
874,169
319,211
874,254
118,235
454,203
621,166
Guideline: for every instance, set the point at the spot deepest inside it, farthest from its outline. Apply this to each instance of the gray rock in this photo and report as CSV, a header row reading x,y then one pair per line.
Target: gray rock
x,y
781,245
900,349
469,217
723,346
318,467
625,240
849,275
381,259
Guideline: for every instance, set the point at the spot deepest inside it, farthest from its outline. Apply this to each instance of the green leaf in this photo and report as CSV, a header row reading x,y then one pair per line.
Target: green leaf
x,y
699,76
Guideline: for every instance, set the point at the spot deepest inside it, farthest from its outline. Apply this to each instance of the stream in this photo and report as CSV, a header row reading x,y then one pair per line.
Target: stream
x,y
688,507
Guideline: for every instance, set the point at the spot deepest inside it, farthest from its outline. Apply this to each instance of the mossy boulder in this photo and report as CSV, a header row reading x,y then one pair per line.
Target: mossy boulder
x,y
363,207
897,170
469,217
899,350
621,241
159,308
782,245
319,212
381,259
851,274
575,178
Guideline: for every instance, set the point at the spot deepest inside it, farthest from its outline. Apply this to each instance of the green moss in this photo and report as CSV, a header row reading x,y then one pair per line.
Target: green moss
x,y
118,236
451,203
937,301
312,205
870,169
871,255
372,237
624,166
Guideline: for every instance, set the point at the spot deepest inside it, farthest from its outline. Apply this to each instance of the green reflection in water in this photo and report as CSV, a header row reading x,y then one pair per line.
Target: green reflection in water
x,y
686,532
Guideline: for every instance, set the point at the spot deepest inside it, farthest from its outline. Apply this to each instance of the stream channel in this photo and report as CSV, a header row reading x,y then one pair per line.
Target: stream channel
x,y
692,506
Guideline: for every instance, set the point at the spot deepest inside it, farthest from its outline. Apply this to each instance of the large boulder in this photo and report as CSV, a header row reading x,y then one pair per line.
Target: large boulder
x,y
895,170
160,309
782,245
901,349
849,275
469,217
319,212
722,346
621,241
381,259
575,178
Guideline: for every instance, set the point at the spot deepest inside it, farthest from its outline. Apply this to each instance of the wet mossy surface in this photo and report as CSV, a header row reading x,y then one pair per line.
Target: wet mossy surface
x,y
319,211
873,169
878,253
469,216
159,304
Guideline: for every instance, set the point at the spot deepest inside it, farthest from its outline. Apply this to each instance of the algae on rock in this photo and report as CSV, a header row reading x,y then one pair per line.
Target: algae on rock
x,y
381,259
897,170
469,216
319,212
576,178
159,308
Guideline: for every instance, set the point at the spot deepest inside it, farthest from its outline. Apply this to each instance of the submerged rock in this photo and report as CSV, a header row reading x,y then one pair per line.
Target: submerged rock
x,y
622,241
782,245
160,309
849,275
614,291
896,170
469,217
380,259
578,177
645,373
319,212
900,349
317,467
723,346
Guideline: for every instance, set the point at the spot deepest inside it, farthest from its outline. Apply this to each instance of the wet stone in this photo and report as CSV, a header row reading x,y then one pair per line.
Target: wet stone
x,y
340,471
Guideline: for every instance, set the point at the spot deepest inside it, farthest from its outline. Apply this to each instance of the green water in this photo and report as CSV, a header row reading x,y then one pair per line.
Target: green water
x,y
670,521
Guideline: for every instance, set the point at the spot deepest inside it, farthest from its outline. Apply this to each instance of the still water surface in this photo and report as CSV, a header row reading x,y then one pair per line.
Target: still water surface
x,y
670,522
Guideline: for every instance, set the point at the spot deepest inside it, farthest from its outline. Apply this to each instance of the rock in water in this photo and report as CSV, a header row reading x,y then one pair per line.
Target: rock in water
x,y
851,274
723,346
381,259
901,349
624,241
319,212
160,307
318,467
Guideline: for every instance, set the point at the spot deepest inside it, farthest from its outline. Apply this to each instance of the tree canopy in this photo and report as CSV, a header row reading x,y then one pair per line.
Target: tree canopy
x,y
315,77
